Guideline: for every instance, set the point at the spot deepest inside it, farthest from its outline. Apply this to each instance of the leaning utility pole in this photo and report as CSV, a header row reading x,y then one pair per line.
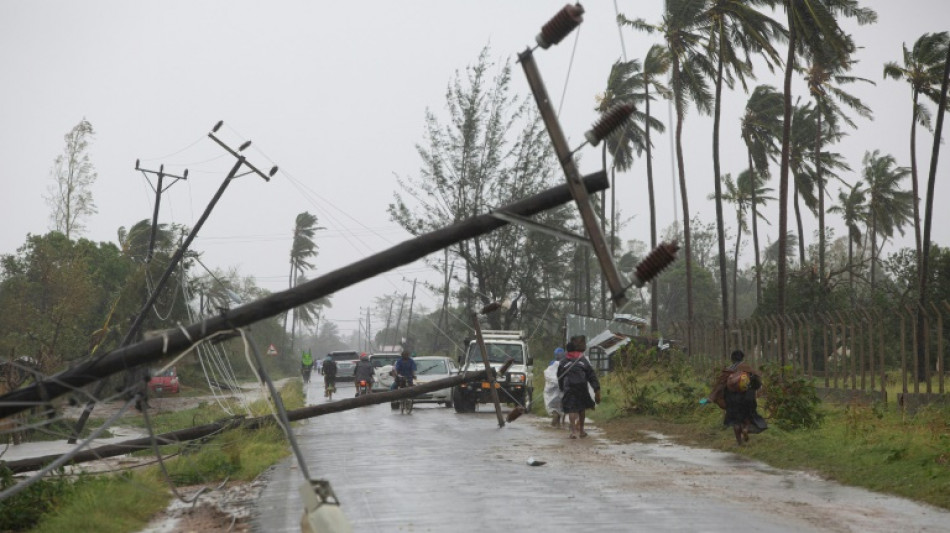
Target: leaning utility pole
x,y
175,260
402,304
159,189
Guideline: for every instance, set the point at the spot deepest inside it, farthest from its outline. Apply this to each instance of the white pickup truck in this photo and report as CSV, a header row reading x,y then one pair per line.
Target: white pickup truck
x,y
513,387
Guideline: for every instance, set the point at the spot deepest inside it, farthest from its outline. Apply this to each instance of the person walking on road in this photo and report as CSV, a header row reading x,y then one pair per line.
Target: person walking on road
x,y
735,391
574,374
552,392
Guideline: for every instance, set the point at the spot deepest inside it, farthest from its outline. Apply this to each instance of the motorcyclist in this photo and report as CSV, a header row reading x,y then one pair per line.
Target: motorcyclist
x,y
329,373
363,370
404,368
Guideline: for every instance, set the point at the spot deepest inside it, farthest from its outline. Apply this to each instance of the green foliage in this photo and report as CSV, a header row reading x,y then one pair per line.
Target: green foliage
x,y
791,401
23,510
109,504
650,382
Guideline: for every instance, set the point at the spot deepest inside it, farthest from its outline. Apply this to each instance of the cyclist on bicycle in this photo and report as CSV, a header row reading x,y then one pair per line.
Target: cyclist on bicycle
x,y
329,373
404,369
364,370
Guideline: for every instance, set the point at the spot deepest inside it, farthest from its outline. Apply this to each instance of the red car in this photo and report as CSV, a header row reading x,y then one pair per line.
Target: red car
x,y
164,382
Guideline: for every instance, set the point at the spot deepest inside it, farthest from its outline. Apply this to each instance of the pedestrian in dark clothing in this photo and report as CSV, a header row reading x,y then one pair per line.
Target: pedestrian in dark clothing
x,y
574,374
735,391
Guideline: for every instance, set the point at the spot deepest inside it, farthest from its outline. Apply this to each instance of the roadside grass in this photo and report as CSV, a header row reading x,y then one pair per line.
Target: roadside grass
x,y
114,504
126,501
872,446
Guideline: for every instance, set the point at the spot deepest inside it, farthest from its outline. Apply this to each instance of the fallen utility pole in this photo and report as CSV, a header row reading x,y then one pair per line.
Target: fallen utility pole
x,y
176,258
206,430
174,341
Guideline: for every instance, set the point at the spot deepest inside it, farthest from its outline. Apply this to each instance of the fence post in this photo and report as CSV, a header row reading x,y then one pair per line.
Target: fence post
x,y
940,356
825,323
839,352
903,354
870,331
913,319
810,371
927,344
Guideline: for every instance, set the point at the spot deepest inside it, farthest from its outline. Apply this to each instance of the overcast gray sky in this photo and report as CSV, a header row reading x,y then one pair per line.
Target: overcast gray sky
x,y
335,94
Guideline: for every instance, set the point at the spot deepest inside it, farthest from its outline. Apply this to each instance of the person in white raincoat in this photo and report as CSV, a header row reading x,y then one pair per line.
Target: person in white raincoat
x,y
552,394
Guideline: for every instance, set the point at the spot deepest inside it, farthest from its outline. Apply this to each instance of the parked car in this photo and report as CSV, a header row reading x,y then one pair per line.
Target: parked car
x,y
164,382
431,368
383,363
345,363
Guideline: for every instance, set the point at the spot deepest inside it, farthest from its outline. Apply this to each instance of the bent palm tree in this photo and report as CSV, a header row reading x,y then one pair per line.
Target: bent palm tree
x,y
740,193
302,251
682,27
761,128
923,65
853,210
825,76
628,82
735,28
812,25
889,206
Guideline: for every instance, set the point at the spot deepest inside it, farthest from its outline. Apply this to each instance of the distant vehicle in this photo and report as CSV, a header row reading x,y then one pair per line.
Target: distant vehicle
x,y
345,363
164,382
431,368
514,387
383,363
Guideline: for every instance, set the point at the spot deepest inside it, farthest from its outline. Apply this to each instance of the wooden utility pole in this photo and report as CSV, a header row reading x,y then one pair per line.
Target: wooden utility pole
x,y
177,340
409,320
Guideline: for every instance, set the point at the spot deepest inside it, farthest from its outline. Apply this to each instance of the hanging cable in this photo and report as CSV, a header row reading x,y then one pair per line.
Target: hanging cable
x,y
577,37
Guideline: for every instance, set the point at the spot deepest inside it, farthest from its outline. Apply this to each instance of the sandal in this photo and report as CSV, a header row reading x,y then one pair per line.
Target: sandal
x,y
583,434
573,436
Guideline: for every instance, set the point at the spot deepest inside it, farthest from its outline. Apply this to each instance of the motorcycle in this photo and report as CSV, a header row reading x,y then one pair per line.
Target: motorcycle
x,y
363,387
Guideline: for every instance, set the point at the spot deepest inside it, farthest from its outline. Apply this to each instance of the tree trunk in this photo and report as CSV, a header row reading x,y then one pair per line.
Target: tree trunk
x,y
677,90
720,230
914,181
851,270
653,286
783,182
928,213
873,246
821,217
755,232
798,221
735,268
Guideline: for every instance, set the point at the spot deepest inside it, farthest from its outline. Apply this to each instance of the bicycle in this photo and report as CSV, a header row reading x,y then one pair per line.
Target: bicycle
x,y
404,405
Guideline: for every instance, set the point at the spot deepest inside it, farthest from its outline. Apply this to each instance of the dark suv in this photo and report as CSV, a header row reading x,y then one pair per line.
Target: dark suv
x,y
345,363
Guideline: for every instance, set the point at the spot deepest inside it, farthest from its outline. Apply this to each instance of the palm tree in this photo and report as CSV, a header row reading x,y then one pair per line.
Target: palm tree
x,y
852,207
637,83
761,127
922,69
740,193
682,28
624,86
889,206
825,76
804,163
735,28
928,213
811,26
302,251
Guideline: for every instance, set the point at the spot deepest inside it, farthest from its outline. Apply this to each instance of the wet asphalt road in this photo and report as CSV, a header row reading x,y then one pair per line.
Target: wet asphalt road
x,y
435,470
